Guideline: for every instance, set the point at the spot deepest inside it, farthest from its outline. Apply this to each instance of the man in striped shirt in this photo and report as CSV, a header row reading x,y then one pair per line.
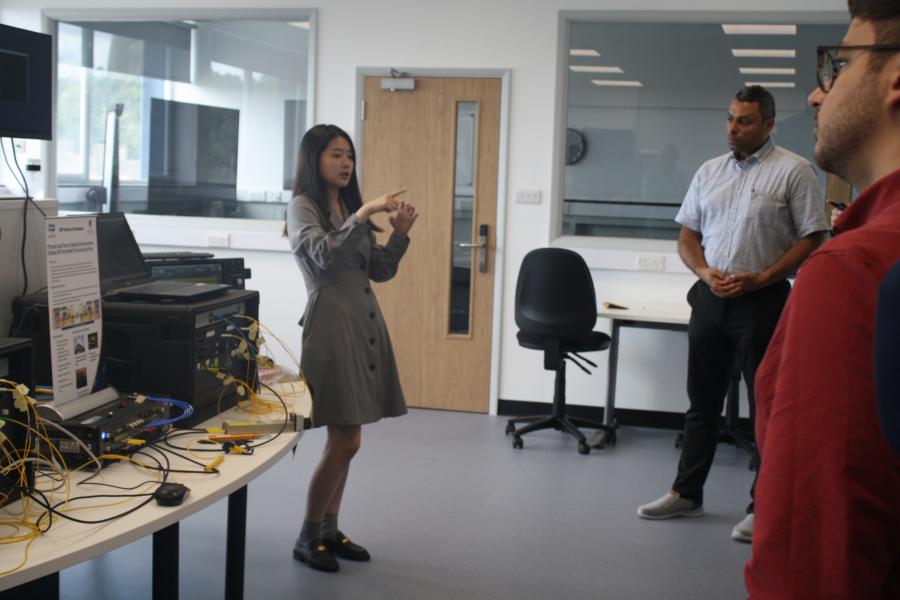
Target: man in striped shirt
x,y
749,219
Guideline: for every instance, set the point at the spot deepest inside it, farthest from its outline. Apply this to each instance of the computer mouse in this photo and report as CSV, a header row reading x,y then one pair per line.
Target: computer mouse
x,y
171,494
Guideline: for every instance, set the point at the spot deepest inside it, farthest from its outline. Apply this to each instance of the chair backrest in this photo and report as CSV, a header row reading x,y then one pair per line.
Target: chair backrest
x,y
887,356
555,294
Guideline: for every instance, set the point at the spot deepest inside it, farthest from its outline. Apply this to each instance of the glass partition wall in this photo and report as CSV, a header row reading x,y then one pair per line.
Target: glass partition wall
x,y
181,117
647,104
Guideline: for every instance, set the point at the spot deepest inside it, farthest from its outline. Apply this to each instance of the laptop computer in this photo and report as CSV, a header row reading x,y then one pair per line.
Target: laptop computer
x,y
125,275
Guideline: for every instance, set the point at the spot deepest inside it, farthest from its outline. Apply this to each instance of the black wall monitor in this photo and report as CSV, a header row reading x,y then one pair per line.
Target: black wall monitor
x,y
26,67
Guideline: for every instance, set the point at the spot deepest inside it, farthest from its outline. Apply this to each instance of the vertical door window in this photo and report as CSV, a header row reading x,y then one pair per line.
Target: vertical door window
x,y
463,236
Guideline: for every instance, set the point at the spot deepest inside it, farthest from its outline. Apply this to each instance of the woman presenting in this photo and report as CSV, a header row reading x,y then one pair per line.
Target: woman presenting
x,y
347,356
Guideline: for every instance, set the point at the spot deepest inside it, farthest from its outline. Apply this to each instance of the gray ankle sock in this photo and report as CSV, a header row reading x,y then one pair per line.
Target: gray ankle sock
x,y
311,530
330,526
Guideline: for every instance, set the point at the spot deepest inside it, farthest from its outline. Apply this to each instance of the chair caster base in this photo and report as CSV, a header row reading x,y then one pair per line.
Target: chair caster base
x,y
604,439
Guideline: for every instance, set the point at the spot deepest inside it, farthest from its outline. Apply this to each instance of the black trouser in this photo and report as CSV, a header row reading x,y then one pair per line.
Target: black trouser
x,y
723,334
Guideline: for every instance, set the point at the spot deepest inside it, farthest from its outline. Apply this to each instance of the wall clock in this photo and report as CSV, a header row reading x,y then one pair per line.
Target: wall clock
x,y
575,146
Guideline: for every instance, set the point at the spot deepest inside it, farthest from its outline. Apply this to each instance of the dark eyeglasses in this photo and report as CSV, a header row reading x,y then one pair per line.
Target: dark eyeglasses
x,y
830,65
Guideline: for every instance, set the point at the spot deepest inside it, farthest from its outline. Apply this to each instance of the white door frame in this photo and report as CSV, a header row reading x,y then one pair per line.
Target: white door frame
x,y
502,168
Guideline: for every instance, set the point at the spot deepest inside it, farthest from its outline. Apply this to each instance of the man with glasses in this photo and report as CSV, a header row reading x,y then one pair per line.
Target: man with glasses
x,y
828,495
750,217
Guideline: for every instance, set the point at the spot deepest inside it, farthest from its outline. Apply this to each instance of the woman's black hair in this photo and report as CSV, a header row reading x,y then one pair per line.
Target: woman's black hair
x,y
307,180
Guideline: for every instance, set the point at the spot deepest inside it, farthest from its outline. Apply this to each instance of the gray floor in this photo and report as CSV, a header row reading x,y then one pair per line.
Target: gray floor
x,y
449,510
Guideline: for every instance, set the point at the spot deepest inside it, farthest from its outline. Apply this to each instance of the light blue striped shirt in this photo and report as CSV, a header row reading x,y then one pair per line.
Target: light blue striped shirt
x,y
750,212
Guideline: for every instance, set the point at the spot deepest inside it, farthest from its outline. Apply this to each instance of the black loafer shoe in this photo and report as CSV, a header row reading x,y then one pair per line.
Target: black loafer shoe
x,y
341,546
316,555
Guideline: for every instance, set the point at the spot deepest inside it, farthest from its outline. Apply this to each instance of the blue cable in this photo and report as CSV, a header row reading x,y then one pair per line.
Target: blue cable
x,y
184,406
240,331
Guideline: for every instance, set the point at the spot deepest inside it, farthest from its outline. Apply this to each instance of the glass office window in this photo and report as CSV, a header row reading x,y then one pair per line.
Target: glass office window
x,y
646,107
461,271
204,117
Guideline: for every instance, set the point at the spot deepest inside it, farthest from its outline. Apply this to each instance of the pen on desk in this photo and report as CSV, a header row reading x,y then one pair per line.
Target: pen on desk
x,y
611,305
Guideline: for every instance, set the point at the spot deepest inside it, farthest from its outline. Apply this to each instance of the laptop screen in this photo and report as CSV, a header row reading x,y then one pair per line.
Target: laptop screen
x,y
121,262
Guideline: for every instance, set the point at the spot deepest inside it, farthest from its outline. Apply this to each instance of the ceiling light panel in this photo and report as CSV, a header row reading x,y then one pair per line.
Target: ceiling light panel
x,y
772,84
766,71
760,29
616,83
594,69
583,52
763,53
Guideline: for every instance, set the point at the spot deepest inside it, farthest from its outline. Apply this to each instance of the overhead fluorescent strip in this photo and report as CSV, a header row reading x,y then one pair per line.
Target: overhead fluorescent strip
x,y
766,71
763,53
616,83
772,84
760,29
594,69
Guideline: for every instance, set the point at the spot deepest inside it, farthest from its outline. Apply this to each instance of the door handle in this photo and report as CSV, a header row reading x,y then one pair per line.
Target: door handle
x,y
482,244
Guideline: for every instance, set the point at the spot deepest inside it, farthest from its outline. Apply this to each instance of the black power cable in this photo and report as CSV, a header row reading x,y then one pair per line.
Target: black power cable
x,y
52,509
287,417
29,491
21,184
24,185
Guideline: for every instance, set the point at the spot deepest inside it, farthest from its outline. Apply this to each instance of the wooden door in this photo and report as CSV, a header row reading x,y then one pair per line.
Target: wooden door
x,y
441,141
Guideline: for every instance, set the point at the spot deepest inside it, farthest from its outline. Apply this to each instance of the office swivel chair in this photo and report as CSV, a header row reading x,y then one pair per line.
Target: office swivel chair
x,y
556,310
887,356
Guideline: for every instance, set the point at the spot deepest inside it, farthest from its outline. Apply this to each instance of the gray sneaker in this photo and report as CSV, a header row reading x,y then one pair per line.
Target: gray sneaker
x,y
743,531
670,505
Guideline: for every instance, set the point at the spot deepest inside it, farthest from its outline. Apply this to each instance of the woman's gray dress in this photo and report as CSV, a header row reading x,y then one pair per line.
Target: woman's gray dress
x,y
347,356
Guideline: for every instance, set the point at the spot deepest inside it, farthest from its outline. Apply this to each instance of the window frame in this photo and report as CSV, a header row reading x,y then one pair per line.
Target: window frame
x,y
618,252
157,226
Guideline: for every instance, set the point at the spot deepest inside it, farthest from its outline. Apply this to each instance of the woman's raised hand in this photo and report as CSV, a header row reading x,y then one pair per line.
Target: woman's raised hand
x,y
402,220
386,203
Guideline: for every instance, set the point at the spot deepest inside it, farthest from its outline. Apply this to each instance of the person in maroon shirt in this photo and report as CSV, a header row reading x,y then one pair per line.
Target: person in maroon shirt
x,y
828,496
887,356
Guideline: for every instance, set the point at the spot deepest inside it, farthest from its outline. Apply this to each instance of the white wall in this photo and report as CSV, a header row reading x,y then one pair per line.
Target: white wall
x,y
12,277
521,35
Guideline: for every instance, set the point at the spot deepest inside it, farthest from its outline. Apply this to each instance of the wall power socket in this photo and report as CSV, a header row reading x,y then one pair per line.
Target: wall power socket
x,y
651,262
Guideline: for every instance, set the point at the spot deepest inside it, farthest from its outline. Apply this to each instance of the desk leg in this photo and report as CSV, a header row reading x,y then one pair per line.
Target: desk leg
x,y
609,412
45,588
165,563
236,545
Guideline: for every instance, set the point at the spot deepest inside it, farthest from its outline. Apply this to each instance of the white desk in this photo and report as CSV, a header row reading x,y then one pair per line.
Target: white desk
x,y
668,317
668,314
68,543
